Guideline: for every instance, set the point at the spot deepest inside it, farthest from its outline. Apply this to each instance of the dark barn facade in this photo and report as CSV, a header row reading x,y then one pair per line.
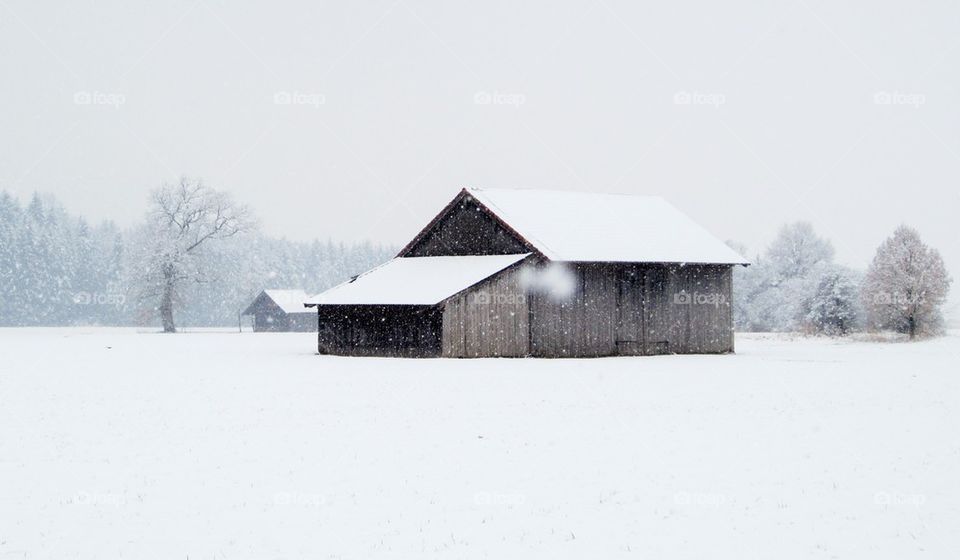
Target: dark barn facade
x,y
281,311
518,273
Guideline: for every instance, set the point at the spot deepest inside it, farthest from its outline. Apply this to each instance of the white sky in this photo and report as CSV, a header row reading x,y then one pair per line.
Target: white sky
x,y
800,133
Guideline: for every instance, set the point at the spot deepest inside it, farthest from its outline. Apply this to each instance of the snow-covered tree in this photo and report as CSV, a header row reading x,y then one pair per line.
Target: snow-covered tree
x,y
797,249
184,224
11,219
834,307
770,294
906,285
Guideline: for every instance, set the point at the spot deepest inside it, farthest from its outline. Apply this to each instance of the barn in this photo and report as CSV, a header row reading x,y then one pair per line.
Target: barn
x,y
281,311
538,273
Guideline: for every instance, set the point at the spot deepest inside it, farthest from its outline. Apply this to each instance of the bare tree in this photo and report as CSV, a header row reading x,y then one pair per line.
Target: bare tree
x,y
905,285
184,222
797,250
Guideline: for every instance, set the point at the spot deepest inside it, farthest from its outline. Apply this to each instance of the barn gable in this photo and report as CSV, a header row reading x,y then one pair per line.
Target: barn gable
x,y
262,304
466,227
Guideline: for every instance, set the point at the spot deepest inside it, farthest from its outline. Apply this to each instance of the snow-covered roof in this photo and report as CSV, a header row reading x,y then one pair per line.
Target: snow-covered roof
x,y
415,280
593,227
290,301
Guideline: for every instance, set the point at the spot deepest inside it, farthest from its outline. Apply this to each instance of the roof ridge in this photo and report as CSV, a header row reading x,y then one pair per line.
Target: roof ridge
x,y
561,191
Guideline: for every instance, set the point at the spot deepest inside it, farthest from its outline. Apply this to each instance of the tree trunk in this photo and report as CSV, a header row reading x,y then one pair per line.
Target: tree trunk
x,y
166,301
912,325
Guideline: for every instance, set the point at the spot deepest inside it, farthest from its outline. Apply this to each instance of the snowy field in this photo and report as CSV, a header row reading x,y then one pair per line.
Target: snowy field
x,y
118,444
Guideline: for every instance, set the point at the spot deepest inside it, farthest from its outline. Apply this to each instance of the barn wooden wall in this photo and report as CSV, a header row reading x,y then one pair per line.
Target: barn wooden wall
x,y
490,319
379,330
581,325
264,321
616,309
267,315
630,309
302,322
688,309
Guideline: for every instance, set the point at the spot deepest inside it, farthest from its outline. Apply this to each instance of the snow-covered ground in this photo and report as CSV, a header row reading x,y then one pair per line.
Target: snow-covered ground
x,y
118,444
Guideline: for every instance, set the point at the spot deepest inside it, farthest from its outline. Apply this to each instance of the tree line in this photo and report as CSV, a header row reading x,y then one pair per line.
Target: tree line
x,y
58,269
795,286
197,259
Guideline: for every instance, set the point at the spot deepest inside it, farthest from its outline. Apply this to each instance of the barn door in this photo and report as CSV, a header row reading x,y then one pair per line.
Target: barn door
x,y
656,311
630,329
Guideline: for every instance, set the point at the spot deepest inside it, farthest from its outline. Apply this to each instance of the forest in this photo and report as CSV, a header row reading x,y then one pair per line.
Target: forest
x,y
58,269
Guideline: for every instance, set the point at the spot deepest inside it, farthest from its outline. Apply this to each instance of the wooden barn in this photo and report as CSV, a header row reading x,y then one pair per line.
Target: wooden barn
x,y
281,311
517,273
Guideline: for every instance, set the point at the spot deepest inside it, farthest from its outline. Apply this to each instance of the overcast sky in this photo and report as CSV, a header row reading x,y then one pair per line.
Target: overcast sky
x,y
361,119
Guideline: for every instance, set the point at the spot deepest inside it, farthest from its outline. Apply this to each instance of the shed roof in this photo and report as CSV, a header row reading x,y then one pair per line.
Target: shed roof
x,y
290,301
416,280
595,227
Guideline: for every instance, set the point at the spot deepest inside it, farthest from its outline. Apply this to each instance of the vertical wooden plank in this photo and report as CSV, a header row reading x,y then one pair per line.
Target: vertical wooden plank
x,y
490,319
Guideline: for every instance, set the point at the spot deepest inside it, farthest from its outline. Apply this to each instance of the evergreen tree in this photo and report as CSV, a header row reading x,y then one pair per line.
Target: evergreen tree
x,y
834,307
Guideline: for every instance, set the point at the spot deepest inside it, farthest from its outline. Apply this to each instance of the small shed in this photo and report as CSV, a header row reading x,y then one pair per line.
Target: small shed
x,y
517,273
281,311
